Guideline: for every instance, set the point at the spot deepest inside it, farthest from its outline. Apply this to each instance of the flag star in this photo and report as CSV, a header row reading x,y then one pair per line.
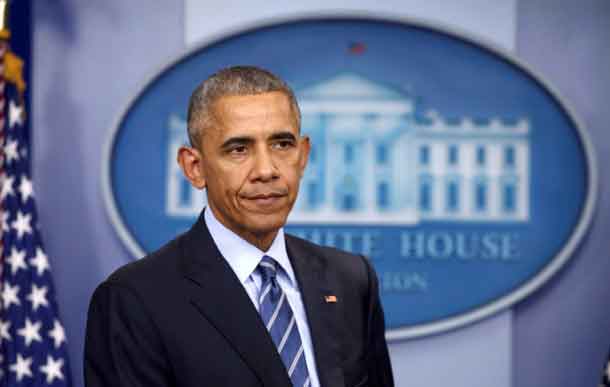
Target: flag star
x,y
17,260
10,151
40,261
22,367
15,114
53,369
7,187
9,295
38,297
58,334
22,224
25,188
5,216
30,332
5,334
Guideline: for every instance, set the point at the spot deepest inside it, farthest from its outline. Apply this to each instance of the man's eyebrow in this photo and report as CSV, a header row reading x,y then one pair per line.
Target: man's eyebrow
x,y
234,141
283,136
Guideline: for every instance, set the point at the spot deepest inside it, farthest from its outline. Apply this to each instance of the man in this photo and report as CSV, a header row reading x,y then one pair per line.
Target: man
x,y
234,301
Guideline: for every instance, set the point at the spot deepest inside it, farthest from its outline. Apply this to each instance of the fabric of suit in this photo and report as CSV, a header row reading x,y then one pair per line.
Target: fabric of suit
x,y
180,317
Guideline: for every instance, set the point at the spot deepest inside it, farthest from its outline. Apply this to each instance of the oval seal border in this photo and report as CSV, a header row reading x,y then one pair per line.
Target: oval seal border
x,y
438,326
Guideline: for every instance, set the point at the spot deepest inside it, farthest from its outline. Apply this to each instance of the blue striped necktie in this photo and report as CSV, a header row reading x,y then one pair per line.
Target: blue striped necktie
x,y
280,322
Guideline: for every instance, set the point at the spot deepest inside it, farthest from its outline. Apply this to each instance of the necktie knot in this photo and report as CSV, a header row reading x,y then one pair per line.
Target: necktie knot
x,y
268,268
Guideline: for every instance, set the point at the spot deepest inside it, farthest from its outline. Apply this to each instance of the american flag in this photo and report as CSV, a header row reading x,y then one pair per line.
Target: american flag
x,y
33,340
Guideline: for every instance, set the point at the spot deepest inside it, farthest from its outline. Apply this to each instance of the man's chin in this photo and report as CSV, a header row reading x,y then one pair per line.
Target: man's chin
x,y
266,206
260,224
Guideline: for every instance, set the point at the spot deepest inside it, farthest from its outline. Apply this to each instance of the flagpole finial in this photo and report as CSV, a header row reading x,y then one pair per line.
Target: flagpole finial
x,y
5,31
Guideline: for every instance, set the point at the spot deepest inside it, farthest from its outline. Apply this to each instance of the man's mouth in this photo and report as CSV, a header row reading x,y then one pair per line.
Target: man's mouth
x,y
266,198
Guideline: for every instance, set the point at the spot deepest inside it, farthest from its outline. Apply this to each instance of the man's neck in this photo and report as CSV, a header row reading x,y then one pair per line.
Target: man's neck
x,y
262,240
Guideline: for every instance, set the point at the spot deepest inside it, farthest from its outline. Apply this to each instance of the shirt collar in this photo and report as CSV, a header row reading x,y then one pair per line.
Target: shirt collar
x,y
242,256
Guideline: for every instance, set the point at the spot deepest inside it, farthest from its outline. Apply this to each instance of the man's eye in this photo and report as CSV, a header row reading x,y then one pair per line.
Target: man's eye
x,y
283,144
238,150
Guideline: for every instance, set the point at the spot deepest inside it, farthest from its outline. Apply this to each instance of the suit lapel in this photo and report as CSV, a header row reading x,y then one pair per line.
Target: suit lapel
x,y
315,283
221,299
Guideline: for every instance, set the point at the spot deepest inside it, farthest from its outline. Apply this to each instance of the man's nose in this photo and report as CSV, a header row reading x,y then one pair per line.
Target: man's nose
x,y
264,166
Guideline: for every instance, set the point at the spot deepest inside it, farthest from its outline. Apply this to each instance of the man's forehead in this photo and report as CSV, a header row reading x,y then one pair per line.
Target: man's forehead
x,y
236,112
249,104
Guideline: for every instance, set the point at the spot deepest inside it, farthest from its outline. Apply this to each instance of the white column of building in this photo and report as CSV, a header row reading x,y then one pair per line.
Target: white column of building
x,y
369,183
523,171
494,170
405,186
439,168
328,160
467,165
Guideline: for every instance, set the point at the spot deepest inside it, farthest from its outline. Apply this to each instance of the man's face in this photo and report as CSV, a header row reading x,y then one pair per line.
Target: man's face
x,y
252,159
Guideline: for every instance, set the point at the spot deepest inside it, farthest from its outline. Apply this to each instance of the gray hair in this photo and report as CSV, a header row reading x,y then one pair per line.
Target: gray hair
x,y
232,81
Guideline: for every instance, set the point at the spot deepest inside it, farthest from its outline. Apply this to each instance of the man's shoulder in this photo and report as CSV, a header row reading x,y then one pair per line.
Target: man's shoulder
x,y
141,291
346,264
160,265
325,251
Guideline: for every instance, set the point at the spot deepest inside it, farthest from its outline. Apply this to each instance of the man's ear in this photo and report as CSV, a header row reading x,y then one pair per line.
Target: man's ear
x,y
305,148
191,160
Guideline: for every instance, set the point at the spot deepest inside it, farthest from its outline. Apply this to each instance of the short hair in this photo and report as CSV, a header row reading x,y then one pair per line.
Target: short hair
x,y
232,81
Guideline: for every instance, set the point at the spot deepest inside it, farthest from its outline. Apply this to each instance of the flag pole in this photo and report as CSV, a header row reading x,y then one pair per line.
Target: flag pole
x,y
5,31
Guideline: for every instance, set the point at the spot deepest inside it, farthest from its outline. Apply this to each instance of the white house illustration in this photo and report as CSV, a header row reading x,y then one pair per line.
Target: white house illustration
x,y
376,160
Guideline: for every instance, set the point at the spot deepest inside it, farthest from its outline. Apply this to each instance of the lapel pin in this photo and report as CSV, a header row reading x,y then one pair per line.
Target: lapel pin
x,y
330,299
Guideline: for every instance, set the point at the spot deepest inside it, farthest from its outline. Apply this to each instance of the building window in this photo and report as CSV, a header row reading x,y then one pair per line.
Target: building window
x,y
424,155
371,116
481,156
382,154
349,202
453,196
453,155
348,153
509,197
509,156
425,193
480,195
311,194
383,198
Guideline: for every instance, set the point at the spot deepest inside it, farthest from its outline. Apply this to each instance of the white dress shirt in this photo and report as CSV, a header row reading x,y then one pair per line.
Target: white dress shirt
x,y
244,258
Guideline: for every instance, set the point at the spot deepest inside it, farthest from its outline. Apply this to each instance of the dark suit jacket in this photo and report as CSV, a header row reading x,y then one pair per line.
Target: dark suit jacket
x,y
180,317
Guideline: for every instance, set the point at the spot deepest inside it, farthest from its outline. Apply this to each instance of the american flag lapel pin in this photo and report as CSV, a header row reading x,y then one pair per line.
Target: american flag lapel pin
x,y
330,299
